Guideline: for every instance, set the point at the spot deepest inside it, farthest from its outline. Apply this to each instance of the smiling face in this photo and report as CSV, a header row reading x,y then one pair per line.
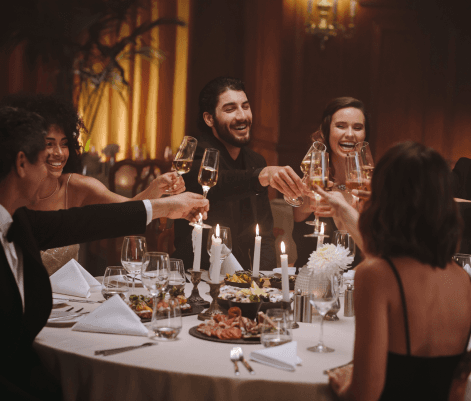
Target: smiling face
x,y
232,118
346,129
57,151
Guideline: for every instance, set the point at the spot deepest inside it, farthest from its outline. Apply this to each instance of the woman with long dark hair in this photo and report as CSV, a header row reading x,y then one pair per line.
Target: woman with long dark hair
x,y
412,302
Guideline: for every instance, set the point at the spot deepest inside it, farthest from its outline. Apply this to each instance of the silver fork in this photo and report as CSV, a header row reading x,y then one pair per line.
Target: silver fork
x,y
241,358
235,358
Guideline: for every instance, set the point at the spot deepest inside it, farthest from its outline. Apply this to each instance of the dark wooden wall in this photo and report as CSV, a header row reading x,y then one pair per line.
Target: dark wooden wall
x,y
409,61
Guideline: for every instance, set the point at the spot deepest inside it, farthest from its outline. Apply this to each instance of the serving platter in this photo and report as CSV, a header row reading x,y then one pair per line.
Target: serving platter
x,y
195,333
195,310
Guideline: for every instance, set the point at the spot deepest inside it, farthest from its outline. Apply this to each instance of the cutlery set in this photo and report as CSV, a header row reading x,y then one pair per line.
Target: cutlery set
x,y
238,355
113,351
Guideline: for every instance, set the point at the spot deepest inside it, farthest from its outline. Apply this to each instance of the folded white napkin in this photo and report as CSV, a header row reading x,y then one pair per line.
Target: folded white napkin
x,y
72,279
467,269
282,357
113,317
230,265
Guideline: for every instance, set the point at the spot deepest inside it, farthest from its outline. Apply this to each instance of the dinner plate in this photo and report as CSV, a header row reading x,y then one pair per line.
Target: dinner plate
x,y
58,303
195,333
195,310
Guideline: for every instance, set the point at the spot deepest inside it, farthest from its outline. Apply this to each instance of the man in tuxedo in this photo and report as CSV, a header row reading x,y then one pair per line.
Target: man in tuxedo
x,y
25,290
239,200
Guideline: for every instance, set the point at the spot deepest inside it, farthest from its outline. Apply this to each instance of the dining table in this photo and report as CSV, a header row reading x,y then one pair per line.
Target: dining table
x,y
188,368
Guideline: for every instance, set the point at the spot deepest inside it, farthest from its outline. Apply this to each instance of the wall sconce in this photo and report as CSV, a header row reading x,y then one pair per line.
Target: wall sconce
x,y
323,20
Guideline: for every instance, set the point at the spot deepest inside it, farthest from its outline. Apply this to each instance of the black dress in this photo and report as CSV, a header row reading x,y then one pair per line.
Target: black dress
x,y
410,377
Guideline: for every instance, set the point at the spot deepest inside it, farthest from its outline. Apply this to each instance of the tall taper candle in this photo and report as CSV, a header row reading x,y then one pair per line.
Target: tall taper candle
x,y
197,237
256,254
284,274
320,238
216,256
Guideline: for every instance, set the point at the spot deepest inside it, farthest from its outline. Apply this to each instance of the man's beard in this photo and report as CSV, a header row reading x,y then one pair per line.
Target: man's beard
x,y
226,136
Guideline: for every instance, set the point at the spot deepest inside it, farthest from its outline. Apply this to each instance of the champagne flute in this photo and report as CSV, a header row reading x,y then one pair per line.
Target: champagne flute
x,y
366,162
155,273
132,255
208,176
324,288
305,165
183,160
353,171
318,175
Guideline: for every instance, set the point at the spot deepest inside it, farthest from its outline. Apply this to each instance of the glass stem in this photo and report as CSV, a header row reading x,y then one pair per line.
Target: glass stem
x,y
205,192
133,281
321,343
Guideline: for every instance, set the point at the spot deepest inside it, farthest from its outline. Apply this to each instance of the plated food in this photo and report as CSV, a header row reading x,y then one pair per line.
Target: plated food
x,y
232,326
275,281
143,305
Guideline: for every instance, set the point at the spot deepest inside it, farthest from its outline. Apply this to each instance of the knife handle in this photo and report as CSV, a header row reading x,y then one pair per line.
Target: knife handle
x,y
249,368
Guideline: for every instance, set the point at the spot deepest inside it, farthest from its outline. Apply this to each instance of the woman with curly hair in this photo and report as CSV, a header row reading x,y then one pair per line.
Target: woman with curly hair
x,y
64,186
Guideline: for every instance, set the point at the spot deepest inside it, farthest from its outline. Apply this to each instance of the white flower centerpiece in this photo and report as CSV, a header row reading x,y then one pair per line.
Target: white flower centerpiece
x,y
329,257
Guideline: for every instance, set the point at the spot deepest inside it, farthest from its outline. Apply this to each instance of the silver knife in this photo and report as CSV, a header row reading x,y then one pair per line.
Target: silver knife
x,y
78,300
113,351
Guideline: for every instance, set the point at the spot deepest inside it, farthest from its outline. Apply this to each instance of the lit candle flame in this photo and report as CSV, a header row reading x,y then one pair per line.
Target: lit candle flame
x,y
256,231
322,229
217,231
283,247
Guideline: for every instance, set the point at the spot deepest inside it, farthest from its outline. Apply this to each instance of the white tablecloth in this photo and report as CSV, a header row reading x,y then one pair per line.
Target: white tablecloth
x,y
188,368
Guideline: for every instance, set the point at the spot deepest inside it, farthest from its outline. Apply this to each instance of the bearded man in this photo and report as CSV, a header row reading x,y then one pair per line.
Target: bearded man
x,y
239,200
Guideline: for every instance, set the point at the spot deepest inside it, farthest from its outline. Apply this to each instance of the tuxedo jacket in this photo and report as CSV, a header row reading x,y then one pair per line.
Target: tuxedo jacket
x,y
237,201
33,231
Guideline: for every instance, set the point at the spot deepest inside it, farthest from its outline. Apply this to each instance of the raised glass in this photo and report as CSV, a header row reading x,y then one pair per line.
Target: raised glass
x,y
366,162
183,159
225,235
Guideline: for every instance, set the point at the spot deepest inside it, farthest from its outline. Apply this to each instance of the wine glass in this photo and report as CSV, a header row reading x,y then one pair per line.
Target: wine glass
x,y
366,162
324,287
132,255
114,282
155,273
176,274
183,159
353,171
208,176
225,235
305,165
318,175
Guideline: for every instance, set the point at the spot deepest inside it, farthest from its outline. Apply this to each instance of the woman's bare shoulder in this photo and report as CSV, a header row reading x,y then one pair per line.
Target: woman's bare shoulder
x,y
373,270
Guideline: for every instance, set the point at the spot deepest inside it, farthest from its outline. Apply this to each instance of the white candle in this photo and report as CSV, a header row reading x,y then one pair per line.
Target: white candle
x,y
320,237
256,253
284,274
334,10
216,256
197,237
353,5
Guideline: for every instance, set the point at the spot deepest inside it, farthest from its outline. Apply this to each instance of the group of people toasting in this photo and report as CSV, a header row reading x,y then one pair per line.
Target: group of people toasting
x,y
412,302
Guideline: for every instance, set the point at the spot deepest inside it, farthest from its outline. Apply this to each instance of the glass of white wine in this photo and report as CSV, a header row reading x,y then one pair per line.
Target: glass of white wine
x,y
305,165
366,162
318,175
183,160
132,256
208,175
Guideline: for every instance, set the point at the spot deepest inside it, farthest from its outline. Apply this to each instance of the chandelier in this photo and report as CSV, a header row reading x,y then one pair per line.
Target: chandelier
x,y
323,20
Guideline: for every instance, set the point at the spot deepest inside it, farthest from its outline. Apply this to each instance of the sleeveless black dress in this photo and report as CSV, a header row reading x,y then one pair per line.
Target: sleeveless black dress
x,y
414,378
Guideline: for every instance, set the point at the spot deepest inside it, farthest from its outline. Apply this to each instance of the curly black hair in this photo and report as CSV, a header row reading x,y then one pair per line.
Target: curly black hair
x,y
55,111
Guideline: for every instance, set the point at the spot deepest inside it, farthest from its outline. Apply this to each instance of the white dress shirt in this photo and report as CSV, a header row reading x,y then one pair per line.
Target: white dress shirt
x,y
14,254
